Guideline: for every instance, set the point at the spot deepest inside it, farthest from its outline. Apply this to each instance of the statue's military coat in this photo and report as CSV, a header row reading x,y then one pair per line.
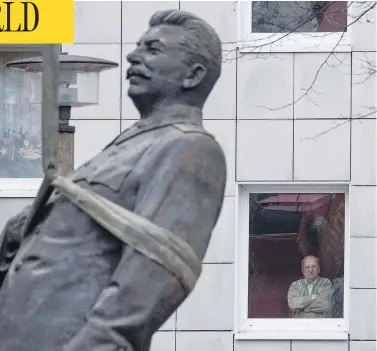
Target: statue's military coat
x,y
75,287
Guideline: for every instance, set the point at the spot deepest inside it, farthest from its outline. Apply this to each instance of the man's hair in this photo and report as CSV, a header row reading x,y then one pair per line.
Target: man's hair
x,y
312,256
202,42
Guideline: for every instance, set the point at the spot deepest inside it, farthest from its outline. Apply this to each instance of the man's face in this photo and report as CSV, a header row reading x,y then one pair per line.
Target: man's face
x,y
158,64
310,269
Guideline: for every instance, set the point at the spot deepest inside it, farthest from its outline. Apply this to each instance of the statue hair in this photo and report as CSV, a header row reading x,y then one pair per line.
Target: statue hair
x,y
202,41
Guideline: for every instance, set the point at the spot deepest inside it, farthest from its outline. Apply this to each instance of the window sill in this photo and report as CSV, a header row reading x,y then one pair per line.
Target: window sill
x,y
291,335
32,193
19,187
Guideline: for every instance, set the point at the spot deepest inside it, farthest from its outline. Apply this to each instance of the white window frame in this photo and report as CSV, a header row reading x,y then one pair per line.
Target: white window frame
x,y
20,187
284,328
294,42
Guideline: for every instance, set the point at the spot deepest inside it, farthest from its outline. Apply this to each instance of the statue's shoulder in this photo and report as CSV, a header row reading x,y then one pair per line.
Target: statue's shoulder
x,y
197,138
197,134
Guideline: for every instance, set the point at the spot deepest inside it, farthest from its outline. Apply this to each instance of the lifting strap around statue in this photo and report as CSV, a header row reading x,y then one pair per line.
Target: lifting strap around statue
x,y
154,242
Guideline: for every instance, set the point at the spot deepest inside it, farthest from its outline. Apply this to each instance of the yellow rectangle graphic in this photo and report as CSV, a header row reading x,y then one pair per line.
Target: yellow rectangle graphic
x,y
37,22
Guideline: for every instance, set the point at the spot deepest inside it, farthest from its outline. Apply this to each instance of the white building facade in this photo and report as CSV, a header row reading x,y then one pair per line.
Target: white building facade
x,y
295,115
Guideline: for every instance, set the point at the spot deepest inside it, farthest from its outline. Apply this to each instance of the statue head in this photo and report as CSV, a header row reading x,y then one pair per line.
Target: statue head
x,y
178,60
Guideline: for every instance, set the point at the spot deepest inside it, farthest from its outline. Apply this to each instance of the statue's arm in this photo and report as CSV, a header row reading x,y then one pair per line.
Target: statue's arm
x,y
183,192
13,227
11,238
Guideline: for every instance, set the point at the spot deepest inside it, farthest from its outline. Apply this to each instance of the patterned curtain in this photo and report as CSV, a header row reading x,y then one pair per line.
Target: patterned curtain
x,y
20,123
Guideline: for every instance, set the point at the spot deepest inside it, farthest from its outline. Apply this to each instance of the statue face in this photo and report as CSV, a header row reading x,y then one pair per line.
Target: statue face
x,y
158,64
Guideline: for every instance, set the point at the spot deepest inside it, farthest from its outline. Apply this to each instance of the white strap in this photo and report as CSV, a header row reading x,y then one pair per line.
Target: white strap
x,y
156,243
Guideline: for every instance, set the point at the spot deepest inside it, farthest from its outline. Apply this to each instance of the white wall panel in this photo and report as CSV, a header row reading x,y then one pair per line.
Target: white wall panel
x,y
363,314
363,263
265,86
262,345
364,26
322,85
136,15
163,341
322,150
363,151
98,22
221,15
308,345
204,341
363,345
364,85
264,150
363,211
210,305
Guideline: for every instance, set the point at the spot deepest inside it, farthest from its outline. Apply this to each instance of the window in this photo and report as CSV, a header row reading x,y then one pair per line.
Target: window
x,y
291,251
20,130
289,26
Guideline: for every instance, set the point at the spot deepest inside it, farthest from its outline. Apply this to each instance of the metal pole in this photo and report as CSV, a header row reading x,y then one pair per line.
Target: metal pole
x,y
66,141
58,145
50,107
50,136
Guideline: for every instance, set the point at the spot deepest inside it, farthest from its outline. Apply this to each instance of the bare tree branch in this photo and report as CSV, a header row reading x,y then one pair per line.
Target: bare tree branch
x,y
256,49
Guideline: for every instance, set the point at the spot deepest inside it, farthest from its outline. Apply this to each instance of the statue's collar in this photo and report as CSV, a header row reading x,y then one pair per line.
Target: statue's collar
x,y
171,115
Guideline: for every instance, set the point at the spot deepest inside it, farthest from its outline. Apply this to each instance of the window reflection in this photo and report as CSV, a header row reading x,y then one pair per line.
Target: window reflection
x,y
283,230
299,16
20,123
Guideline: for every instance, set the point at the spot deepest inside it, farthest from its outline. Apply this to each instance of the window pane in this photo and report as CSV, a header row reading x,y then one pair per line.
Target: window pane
x,y
283,230
299,16
20,123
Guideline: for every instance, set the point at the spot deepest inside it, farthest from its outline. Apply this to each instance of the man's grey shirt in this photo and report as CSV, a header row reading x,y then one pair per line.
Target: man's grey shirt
x,y
75,287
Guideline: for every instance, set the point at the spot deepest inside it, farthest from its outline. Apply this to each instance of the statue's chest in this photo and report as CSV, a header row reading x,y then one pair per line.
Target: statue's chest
x,y
114,164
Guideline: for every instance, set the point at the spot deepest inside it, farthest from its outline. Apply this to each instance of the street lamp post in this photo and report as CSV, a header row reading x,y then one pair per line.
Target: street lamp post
x,y
60,82
78,86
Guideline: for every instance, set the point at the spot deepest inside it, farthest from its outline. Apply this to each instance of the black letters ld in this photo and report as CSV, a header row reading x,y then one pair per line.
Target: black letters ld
x,y
26,16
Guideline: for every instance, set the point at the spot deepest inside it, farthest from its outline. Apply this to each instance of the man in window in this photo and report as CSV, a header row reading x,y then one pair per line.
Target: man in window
x,y
310,297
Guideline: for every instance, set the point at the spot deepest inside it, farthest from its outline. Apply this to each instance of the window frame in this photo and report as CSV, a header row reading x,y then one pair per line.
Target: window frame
x,y
295,42
20,187
284,328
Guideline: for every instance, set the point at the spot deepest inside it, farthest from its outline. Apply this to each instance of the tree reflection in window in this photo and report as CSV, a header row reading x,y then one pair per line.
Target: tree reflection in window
x,y
20,123
299,16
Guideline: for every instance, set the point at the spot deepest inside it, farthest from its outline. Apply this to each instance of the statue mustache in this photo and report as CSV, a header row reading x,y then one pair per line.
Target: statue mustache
x,y
138,71
144,73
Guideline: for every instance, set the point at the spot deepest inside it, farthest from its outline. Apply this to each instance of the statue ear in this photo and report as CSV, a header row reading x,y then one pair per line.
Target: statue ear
x,y
195,75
